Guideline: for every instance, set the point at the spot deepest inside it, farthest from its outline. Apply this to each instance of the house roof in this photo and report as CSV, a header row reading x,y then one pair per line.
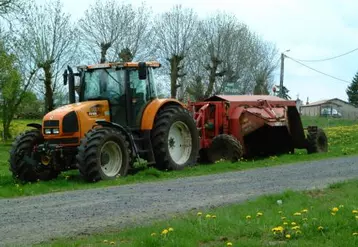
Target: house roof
x,y
326,101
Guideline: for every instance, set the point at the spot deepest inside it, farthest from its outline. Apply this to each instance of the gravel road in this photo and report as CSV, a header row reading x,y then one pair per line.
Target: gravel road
x,y
31,220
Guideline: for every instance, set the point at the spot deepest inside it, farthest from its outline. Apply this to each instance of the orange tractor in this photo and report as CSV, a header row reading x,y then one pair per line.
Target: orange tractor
x,y
117,119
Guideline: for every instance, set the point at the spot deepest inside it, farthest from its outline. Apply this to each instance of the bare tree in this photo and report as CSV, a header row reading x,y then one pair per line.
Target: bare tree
x,y
48,40
135,43
8,6
227,52
115,31
101,27
175,33
219,47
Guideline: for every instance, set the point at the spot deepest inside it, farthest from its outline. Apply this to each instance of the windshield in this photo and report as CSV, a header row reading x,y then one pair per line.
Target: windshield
x,y
103,83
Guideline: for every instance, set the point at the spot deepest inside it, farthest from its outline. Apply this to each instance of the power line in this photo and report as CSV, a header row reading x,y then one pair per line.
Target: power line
x,y
330,58
317,70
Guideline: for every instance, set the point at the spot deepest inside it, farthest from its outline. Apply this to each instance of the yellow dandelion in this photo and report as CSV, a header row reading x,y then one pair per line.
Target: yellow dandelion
x,y
295,228
170,229
228,244
208,216
199,213
153,234
213,216
297,214
248,217
304,210
355,211
335,209
293,223
320,228
285,223
165,231
288,236
259,214
105,241
355,234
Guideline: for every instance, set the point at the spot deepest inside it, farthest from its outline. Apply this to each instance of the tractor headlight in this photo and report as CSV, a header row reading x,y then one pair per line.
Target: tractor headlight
x,y
48,132
55,131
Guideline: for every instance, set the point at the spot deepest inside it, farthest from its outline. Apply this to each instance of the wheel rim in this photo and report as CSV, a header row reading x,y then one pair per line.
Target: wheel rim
x,y
179,142
111,159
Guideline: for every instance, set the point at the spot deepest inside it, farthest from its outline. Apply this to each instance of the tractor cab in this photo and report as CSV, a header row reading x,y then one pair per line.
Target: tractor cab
x,y
128,88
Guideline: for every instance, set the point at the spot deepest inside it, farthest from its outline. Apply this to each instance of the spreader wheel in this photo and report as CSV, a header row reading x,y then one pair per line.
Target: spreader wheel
x,y
225,147
316,141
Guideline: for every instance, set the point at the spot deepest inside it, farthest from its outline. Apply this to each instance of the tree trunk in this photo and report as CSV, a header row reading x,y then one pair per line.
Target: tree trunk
x,y
48,89
212,76
174,74
104,49
6,125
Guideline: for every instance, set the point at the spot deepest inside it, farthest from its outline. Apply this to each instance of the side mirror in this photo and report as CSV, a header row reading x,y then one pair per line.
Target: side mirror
x,y
65,76
142,71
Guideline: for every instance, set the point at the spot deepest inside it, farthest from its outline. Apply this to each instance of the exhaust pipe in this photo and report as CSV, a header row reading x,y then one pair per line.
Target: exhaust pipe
x,y
71,86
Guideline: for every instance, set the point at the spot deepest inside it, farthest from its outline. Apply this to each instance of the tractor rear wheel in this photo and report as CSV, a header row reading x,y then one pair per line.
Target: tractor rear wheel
x,y
175,138
25,164
225,147
316,141
103,154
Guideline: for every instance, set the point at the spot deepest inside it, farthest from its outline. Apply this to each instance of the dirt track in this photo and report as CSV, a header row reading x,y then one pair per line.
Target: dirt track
x,y
30,220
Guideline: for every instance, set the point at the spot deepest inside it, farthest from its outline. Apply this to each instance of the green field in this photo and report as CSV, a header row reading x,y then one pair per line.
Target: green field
x,y
313,218
342,141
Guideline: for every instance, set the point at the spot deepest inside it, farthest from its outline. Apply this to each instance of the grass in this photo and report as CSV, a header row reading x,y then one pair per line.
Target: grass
x,y
325,122
326,217
342,141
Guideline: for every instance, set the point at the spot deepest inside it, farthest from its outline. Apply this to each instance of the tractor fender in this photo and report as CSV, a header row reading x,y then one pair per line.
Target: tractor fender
x,y
125,132
35,125
150,112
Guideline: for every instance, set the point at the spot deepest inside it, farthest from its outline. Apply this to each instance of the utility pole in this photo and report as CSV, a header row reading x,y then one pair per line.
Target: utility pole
x,y
282,73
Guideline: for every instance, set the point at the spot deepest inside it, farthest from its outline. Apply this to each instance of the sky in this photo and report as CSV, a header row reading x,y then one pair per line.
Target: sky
x,y
309,29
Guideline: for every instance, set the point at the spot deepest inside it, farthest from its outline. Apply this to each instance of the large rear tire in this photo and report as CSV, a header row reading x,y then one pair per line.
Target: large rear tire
x,y
175,138
25,165
316,141
225,147
103,154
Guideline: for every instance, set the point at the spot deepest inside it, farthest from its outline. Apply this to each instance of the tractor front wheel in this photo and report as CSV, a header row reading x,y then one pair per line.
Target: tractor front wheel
x,y
316,141
175,138
225,147
25,163
103,154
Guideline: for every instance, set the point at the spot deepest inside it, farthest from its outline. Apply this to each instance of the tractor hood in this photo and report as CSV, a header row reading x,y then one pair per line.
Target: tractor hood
x,y
89,107
77,118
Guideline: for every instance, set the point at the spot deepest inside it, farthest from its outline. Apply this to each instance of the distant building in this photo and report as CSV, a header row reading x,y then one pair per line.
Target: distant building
x,y
330,108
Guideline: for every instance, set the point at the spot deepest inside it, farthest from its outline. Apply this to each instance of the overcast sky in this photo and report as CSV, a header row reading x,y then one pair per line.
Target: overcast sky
x,y
310,29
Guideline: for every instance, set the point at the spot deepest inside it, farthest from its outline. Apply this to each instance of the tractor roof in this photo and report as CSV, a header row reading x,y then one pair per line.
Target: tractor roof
x,y
154,64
